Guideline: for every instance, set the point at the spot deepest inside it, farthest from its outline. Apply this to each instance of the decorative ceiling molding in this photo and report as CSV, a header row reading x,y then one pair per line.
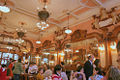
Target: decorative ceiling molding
x,y
98,2
84,4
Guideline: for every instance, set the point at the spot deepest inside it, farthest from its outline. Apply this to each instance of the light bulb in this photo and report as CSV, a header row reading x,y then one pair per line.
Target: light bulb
x,y
4,9
38,42
68,31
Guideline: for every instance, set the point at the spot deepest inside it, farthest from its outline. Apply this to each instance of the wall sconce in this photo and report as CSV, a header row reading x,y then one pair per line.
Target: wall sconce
x,y
55,54
101,47
51,62
113,45
26,60
37,57
62,54
77,51
46,53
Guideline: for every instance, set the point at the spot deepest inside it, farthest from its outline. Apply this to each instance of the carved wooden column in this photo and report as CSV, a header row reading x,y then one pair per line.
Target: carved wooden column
x,y
107,49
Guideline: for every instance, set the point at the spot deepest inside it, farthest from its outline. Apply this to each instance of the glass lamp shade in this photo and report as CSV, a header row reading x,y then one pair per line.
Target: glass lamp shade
x,y
38,42
4,9
77,51
42,25
68,31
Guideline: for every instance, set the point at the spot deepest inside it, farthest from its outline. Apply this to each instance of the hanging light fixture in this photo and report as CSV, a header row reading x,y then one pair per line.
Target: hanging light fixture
x,y
21,33
4,8
38,41
68,31
43,15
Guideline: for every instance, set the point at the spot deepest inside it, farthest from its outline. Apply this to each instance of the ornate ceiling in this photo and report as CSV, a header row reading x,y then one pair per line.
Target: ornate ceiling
x,y
81,12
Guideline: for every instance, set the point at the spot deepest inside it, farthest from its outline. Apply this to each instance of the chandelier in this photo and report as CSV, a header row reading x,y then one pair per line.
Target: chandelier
x,y
43,16
42,25
68,31
4,8
20,33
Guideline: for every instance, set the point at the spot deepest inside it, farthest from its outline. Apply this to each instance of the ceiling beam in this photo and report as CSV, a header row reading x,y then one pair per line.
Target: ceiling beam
x,y
98,2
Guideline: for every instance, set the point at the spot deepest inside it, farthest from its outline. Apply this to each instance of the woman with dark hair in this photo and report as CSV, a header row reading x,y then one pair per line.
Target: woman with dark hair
x,y
10,67
97,65
48,72
57,73
17,70
95,75
40,74
79,75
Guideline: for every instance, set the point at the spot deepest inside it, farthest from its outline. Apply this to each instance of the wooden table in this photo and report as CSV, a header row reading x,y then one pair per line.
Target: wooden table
x,y
25,76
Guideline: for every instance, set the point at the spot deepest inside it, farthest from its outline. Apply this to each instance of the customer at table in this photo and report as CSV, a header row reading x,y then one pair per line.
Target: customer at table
x,y
97,64
9,61
3,72
112,74
40,74
10,67
79,75
57,73
95,75
48,72
17,70
33,69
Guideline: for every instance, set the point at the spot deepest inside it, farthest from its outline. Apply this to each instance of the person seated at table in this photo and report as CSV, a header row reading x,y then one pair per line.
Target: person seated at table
x,y
11,68
95,75
33,69
48,73
57,73
40,74
3,72
79,75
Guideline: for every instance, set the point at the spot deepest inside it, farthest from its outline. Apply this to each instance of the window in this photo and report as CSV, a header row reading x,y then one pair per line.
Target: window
x,y
16,57
0,54
4,57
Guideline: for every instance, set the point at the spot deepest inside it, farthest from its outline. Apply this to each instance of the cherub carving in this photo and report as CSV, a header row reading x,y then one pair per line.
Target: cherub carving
x,y
96,22
103,14
115,18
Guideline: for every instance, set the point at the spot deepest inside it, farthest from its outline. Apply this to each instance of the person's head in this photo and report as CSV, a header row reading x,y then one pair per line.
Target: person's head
x,y
41,70
77,65
62,63
13,61
97,62
46,67
80,69
91,57
19,60
113,73
4,66
57,69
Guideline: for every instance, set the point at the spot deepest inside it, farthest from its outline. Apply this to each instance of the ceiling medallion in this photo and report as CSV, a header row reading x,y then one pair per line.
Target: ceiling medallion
x,y
68,31
43,16
4,8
